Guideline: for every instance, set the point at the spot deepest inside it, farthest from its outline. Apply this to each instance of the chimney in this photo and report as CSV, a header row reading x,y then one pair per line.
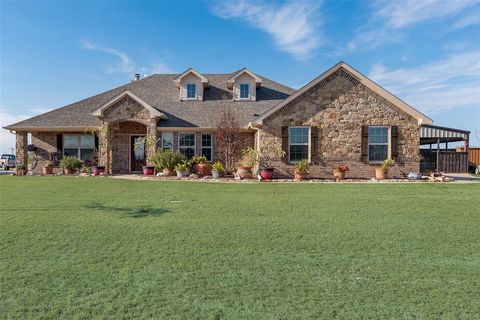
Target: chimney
x,y
136,76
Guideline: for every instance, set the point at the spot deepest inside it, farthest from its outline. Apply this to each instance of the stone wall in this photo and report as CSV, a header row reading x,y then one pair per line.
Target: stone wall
x,y
21,143
46,143
339,108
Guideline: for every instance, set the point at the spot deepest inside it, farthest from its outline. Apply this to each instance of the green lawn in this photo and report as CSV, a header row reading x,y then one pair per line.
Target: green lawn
x,y
106,248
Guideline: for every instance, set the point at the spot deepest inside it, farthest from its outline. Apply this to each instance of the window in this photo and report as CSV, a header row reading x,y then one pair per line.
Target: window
x,y
377,144
167,140
207,145
298,143
191,91
81,146
244,91
186,144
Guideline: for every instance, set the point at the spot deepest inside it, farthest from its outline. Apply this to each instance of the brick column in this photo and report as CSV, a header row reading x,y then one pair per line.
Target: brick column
x,y
105,145
152,139
21,144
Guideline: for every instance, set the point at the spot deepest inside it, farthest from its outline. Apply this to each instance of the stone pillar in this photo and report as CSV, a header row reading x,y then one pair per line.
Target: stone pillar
x,y
152,139
21,144
105,156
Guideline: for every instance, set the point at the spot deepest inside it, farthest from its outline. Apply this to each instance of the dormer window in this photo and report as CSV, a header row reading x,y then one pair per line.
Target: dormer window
x,y
244,91
191,91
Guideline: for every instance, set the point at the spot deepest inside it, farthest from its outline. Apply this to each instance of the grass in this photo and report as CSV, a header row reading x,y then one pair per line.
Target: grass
x,y
106,248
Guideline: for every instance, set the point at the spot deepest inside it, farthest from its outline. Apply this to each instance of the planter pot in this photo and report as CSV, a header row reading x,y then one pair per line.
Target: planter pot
x,y
244,172
148,170
203,169
266,173
168,172
338,175
68,171
414,176
181,174
300,175
98,170
21,172
381,173
217,174
47,170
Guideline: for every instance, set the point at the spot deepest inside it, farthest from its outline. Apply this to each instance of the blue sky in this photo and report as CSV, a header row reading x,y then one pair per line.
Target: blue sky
x,y
57,52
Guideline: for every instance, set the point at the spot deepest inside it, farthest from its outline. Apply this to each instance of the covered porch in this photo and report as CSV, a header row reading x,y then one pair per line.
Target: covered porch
x,y
435,153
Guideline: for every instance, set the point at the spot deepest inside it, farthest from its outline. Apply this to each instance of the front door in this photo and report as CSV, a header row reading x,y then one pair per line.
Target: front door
x,y
137,158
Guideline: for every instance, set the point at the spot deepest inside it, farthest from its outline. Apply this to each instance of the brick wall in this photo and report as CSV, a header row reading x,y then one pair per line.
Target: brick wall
x,y
339,108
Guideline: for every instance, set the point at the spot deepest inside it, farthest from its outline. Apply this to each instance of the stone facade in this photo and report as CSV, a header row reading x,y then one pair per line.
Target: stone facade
x,y
21,143
337,109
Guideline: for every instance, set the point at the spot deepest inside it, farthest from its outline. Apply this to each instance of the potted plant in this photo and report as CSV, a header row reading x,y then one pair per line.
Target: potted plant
x,y
201,166
69,164
21,169
47,168
302,168
269,152
248,160
148,170
339,172
166,160
381,172
217,170
181,169
98,170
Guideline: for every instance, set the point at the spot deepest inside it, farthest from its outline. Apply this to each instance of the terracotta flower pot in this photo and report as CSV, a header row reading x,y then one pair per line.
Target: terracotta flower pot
x,y
68,170
338,175
168,172
21,172
266,173
203,169
47,170
148,170
244,172
300,175
381,173
98,170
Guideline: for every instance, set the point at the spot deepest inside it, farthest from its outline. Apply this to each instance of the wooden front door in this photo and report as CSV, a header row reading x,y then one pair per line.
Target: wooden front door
x,y
137,156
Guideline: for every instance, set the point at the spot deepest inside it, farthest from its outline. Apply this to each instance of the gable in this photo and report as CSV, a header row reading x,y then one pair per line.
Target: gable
x,y
244,74
356,78
190,74
127,97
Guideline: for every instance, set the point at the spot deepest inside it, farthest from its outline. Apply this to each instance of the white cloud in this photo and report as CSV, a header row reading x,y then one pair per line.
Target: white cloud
x,y
399,14
7,139
439,86
292,25
125,63
470,19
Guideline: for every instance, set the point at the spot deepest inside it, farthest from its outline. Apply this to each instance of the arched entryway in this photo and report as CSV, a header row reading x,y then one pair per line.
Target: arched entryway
x,y
128,154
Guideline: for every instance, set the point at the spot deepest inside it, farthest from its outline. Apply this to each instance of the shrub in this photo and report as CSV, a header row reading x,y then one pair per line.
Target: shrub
x,y
182,166
218,166
302,166
70,162
249,157
387,163
48,164
342,168
198,159
166,159
21,166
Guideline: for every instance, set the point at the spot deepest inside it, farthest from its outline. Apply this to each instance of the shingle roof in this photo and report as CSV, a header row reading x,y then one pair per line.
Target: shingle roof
x,y
160,92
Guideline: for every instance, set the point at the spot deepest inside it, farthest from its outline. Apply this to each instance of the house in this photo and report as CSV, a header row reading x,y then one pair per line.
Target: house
x,y
339,117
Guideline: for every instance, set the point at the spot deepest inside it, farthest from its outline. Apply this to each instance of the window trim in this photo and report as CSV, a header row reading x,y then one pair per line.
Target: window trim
x,y
194,142
79,148
207,147
163,147
240,91
309,143
194,93
389,144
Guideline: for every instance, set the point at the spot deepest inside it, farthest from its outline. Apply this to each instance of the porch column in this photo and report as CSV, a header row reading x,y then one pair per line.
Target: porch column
x,y
105,147
152,139
21,144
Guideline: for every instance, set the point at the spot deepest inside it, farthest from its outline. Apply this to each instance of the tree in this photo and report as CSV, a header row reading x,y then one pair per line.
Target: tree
x,y
227,139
